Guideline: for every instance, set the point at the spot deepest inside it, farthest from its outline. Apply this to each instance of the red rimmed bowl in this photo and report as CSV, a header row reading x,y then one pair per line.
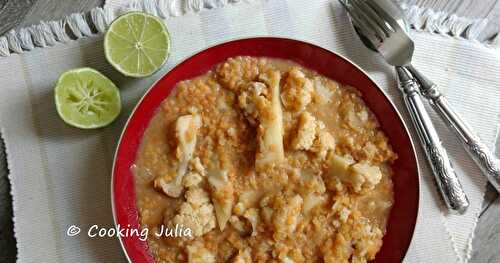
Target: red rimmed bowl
x,y
403,215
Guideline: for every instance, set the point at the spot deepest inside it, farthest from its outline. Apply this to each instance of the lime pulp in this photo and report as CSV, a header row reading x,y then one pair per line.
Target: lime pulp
x,y
87,99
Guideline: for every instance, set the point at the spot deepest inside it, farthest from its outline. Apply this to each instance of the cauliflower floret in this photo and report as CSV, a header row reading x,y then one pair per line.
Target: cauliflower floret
x,y
261,105
222,195
252,100
339,165
357,119
367,240
197,253
364,175
197,213
355,181
270,131
306,132
356,175
323,144
244,256
312,136
246,200
236,70
357,240
192,179
323,94
197,197
186,129
297,91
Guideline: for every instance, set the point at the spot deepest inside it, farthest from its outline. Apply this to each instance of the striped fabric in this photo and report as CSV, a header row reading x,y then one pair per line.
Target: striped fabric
x,y
60,175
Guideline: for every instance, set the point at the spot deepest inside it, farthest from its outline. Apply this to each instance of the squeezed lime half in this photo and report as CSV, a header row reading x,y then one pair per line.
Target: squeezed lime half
x,y
137,44
87,99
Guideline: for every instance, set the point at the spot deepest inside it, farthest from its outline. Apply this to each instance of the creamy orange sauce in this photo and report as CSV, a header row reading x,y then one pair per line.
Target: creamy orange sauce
x,y
315,187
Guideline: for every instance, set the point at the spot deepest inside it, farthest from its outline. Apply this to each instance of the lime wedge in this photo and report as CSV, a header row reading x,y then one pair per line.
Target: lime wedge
x,y
86,99
137,44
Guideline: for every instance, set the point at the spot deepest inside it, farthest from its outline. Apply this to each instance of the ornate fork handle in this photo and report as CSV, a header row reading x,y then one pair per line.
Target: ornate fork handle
x,y
443,172
448,183
481,155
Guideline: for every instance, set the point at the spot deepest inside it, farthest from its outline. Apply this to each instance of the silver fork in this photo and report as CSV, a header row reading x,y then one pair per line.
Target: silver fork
x,y
391,41
391,14
479,152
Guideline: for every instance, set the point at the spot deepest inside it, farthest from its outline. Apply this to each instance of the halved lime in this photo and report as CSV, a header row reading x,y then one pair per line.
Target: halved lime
x,y
87,99
137,44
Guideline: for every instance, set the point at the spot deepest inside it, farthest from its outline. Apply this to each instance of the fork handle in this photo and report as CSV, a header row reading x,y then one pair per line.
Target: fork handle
x,y
446,179
478,151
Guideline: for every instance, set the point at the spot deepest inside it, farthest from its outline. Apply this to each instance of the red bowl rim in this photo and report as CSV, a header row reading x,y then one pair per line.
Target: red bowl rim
x,y
188,58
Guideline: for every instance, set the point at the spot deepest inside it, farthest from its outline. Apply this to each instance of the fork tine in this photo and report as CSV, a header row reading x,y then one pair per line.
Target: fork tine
x,y
355,17
370,17
371,40
369,26
374,15
366,30
382,14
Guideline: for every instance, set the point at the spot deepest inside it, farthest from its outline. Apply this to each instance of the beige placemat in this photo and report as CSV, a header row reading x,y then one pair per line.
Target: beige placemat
x,y
60,175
